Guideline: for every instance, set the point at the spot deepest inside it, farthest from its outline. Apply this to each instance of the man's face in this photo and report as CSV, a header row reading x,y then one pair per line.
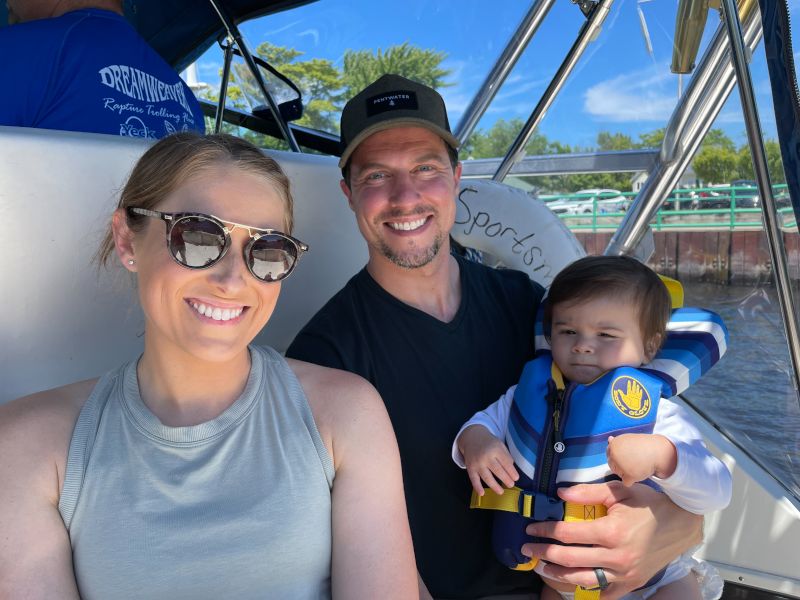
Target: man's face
x,y
402,191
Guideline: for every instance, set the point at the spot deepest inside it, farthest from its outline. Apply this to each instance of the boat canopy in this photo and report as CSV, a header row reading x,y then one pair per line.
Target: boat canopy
x,y
181,30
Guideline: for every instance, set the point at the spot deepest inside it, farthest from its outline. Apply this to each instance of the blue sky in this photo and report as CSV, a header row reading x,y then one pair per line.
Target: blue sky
x,y
617,86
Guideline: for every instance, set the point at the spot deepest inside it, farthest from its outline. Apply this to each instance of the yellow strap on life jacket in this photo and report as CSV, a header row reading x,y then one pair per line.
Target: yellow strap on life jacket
x,y
584,594
583,512
558,378
675,290
509,501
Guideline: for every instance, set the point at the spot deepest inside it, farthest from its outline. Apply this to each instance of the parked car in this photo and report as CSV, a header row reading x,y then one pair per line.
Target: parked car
x,y
783,200
746,193
583,202
709,199
680,199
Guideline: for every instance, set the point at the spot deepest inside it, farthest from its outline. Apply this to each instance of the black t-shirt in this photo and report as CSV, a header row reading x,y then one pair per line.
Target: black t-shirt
x,y
433,376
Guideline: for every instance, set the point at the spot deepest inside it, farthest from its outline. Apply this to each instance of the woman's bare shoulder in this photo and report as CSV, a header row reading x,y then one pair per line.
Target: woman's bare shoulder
x,y
346,407
336,397
316,372
334,385
40,423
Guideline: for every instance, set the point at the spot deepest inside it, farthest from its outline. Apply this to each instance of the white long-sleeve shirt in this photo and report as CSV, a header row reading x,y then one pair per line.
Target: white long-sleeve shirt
x,y
700,484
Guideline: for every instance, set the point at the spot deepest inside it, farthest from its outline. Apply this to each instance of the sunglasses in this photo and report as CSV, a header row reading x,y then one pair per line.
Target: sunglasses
x,y
199,241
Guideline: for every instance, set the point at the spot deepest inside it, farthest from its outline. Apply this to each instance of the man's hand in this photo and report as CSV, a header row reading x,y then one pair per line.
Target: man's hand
x,y
641,534
487,460
638,456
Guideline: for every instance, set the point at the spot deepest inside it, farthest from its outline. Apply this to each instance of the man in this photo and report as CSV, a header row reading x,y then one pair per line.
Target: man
x,y
439,337
78,65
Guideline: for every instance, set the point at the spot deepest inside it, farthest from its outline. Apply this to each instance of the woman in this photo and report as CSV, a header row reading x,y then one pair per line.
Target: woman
x,y
206,468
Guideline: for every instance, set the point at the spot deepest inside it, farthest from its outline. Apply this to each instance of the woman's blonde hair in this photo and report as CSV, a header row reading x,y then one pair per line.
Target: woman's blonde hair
x,y
177,158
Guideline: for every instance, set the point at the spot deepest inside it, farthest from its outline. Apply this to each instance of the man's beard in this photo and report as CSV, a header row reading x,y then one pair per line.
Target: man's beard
x,y
414,258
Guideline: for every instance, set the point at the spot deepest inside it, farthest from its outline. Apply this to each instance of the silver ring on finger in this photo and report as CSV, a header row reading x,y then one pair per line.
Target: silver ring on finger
x,y
602,580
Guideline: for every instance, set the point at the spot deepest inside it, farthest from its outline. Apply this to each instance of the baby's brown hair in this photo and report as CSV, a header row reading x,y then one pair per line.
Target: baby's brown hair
x,y
619,277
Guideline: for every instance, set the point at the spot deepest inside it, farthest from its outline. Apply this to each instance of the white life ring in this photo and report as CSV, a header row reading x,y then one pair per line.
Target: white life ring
x,y
514,229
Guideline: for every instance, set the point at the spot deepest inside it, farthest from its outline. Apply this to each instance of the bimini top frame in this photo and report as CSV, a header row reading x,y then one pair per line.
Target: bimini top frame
x,y
235,36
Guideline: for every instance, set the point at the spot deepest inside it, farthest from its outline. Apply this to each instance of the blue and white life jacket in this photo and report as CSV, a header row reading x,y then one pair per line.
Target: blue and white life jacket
x,y
577,419
558,433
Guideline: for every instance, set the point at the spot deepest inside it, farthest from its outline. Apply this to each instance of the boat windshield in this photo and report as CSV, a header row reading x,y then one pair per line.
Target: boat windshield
x,y
619,97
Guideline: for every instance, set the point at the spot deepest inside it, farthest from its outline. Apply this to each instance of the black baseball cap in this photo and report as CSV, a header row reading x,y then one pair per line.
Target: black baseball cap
x,y
392,101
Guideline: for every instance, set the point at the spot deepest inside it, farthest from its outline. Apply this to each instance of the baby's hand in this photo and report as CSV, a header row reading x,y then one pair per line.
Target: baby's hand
x,y
637,456
487,459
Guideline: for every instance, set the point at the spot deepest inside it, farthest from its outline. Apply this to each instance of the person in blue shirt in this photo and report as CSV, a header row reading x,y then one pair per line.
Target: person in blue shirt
x,y
78,65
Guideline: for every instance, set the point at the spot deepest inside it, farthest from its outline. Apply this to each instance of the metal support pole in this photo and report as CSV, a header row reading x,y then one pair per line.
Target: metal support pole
x,y
768,208
705,96
223,87
590,27
514,49
234,33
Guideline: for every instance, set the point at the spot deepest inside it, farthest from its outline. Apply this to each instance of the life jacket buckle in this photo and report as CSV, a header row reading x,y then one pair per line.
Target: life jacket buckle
x,y
548,509
540,507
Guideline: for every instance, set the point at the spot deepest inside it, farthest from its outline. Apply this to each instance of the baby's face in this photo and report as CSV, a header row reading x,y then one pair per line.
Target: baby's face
x,y
591,337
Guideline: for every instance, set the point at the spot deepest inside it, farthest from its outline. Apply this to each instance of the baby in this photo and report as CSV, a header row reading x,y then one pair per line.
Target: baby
x,y
588,414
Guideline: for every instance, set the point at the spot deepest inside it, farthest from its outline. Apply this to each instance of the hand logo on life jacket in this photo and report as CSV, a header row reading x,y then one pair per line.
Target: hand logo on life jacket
x,y
630,397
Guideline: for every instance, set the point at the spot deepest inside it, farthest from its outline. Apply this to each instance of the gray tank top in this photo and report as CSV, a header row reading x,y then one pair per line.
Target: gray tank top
x,y
237,507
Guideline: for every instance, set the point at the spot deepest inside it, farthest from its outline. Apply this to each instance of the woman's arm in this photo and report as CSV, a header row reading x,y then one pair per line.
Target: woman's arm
x,y
35,552
373,555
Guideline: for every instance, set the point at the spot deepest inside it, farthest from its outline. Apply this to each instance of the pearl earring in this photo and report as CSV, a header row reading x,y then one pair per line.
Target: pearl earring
x,y
131,262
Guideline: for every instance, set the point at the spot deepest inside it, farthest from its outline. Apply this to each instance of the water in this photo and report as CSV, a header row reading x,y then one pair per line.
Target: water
x,y
750,393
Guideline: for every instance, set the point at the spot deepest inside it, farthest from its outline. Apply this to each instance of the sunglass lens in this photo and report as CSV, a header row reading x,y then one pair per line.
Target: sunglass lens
x,y
272,257
196,242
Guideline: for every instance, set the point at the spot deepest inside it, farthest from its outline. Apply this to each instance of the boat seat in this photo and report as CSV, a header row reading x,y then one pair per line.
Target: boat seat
x,y
63,320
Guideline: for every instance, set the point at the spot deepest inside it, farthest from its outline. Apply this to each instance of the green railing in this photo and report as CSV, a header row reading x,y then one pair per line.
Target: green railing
x,y
730,208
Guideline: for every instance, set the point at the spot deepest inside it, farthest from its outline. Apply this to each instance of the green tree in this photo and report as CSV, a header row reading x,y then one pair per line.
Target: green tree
x,y
325,88
493,143
774,162
583,181
277,56
717,161
714,164
362,67
319,81
496,142
744,163
651,139
718,138
607,141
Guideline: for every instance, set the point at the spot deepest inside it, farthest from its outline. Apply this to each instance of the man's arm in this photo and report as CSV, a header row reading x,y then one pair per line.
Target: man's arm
x,y
642,533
